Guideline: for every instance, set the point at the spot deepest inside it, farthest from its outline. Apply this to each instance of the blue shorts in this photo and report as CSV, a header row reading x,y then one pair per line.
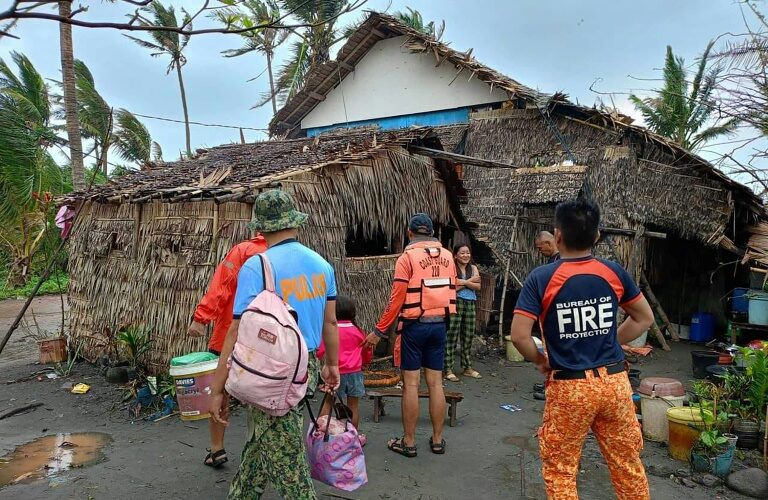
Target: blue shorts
x,y
351,385
423,346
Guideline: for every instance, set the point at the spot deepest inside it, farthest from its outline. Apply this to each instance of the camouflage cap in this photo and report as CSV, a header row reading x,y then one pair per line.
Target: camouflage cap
x,y
274,211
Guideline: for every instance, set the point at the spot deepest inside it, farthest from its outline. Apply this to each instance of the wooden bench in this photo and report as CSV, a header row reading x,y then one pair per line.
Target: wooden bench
x,y
451,397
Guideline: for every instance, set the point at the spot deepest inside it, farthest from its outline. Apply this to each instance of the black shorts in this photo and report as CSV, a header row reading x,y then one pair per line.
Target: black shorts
x,y
423,346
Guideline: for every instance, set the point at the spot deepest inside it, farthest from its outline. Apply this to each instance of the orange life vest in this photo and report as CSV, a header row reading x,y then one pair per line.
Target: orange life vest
x,y
432,283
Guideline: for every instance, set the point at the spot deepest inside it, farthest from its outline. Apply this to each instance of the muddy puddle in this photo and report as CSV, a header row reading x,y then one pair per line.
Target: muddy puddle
x,y
48,456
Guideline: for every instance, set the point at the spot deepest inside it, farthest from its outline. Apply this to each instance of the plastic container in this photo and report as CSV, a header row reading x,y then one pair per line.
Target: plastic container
x,y
684,331
640,341
740,300
193,376
703,327
685,423
757,278
748,433
719,466
657,395
700,360
758,307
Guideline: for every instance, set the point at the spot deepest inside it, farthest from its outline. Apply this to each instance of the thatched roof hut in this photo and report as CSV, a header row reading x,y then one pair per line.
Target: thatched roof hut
x,y
145,245
644,182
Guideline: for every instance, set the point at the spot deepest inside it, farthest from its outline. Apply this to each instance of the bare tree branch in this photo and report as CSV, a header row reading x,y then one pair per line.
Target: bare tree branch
x,y
15,13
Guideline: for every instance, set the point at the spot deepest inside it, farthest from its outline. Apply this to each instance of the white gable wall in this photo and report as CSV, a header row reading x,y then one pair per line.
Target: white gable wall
x,y
392,81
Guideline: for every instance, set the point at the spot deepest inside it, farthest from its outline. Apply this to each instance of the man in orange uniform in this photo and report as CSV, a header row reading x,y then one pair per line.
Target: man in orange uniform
x,y
216,306
576,301
423,297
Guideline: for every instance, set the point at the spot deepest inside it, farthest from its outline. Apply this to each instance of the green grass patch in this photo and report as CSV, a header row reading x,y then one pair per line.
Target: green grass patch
x,y
56,283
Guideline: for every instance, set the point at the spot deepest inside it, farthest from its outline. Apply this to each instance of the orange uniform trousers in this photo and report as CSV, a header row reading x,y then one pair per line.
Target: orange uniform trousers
x,y
603,404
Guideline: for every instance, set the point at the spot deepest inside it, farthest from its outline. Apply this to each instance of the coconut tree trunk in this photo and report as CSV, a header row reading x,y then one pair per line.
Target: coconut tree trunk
x,y
271,83
184,105
70,98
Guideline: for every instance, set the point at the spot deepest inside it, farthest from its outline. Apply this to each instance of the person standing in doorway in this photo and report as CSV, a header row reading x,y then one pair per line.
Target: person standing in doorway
x,y
216,307
576,301
547,246
461,327
274,452
423,296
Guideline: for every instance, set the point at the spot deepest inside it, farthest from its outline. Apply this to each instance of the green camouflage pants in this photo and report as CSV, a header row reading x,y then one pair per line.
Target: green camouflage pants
x,y
275,454
461,327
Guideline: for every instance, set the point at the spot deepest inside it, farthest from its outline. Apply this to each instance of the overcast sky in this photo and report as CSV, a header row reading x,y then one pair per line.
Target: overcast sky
x,y
551,45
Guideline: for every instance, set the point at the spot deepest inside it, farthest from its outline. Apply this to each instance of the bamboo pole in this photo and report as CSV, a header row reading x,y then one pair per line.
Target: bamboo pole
x,y
517,357
657,305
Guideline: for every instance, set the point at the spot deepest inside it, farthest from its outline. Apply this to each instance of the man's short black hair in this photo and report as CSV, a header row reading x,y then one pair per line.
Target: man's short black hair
x,y
578,221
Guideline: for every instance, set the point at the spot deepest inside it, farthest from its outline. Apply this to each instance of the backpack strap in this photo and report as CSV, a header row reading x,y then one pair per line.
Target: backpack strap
x,y
267,273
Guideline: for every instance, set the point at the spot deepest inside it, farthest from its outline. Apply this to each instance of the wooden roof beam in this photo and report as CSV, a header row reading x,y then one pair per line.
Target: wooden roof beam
x,y
457,158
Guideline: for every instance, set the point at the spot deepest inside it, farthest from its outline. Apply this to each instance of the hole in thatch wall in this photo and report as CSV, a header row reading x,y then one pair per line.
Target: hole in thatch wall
x,y
358,244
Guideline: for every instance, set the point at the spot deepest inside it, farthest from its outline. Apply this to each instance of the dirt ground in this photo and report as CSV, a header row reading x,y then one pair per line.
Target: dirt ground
x,y
491,453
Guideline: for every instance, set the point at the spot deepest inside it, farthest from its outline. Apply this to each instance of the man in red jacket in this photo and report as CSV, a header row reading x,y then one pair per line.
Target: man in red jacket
x,y
216,306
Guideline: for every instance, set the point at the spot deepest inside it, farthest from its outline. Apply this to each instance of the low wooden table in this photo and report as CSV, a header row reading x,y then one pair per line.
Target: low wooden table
x,y
451,397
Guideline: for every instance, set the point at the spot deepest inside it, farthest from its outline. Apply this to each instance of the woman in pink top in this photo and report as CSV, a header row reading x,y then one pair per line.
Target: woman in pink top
x,y
352,357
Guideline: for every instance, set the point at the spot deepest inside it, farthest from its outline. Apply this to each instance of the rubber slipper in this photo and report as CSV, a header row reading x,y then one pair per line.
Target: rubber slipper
x,y
398,446
452,377
217,459
437,449
472,373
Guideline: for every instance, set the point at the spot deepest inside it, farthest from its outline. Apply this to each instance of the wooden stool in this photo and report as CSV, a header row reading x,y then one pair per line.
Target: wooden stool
x,y
451,397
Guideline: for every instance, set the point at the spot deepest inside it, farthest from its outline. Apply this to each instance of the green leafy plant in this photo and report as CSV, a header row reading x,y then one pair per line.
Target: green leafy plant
x,y
137,341
65,369
166,386
757,372
711,440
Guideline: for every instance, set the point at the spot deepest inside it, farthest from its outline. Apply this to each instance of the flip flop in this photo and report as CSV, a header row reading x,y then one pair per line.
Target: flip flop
x,y
398,446
217,459
451,376
469,372
437,449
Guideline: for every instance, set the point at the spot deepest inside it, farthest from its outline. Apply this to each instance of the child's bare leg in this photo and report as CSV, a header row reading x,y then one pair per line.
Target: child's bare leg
x,y
354,405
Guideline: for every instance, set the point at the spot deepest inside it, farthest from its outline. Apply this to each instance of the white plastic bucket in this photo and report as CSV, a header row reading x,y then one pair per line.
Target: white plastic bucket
x,y
640,341
193,388
654,409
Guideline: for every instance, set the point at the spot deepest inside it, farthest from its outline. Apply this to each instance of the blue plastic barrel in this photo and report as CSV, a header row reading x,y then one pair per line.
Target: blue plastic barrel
x,y
702,327
739,300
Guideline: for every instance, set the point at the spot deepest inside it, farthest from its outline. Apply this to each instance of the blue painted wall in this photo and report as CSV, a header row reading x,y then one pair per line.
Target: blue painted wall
x,y
429,119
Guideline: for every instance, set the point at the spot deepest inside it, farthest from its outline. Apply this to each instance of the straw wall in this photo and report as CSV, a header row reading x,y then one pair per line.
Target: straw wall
x,y
149,264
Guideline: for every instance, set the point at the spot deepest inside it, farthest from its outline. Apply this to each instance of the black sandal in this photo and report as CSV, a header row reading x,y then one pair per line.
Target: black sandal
x,y
398,446
216,459
437,449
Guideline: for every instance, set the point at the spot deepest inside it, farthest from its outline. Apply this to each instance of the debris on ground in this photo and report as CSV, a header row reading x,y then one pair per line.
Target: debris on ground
x,y
81,389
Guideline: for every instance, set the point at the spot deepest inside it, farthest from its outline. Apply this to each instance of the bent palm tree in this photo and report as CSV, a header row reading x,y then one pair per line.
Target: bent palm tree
x,y
171,44
266,40
681,110
27,170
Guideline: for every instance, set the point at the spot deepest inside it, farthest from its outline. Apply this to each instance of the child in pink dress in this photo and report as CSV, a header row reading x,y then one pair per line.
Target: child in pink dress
x,y
352,357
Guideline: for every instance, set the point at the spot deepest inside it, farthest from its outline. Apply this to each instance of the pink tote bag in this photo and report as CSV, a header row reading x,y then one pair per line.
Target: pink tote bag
x,y
335,454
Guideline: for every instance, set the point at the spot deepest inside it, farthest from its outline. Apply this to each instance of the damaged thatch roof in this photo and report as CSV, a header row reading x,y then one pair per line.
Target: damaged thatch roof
x,y
231,172
540,185
325,77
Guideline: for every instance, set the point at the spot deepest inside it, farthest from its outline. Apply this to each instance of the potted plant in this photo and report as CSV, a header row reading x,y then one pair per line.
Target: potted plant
x,y
755,396
712,452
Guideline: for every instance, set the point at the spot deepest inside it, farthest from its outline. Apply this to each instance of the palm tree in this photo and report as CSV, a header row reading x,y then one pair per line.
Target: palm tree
x,y
70,99
413,19
681,110
171,44
266,40
29,176
107,128
314,44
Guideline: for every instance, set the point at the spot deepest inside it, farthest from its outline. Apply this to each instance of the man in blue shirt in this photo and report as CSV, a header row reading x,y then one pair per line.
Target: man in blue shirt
x,y
275,452
576,300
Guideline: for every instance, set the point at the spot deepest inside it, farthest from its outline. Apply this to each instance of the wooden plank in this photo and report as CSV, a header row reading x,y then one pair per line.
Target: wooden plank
x,y
394,392
316,96
657,305
457,158
659,336
604,230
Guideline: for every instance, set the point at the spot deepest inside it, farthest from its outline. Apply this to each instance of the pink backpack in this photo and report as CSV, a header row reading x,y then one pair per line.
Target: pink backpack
x,y
268,365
